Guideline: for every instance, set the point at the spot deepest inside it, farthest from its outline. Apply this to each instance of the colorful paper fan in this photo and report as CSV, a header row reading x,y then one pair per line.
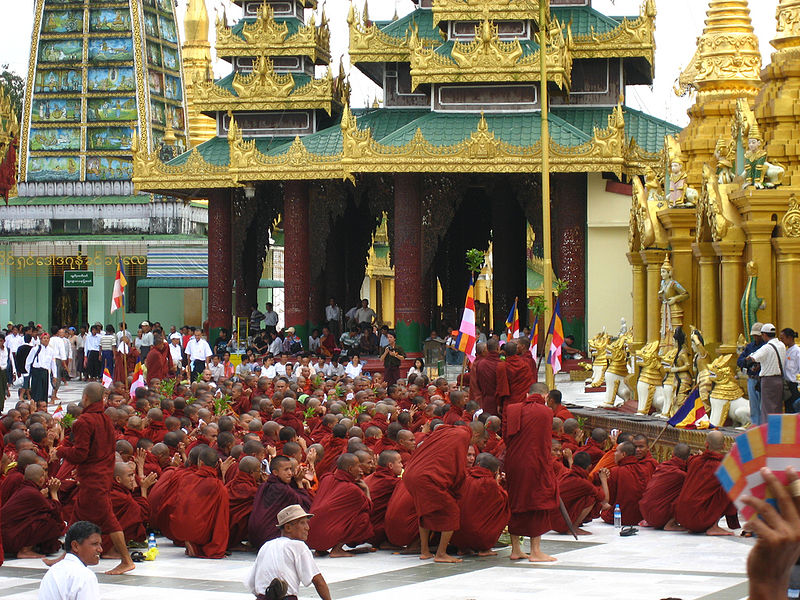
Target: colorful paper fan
x,y
775,445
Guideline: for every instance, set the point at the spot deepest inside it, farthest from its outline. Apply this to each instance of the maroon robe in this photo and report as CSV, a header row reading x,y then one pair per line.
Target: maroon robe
x,y
532,486
341,512
381,486
272,497
401,522
30,519
10,484
626,485
578,493
158,362
132,512
124,364
155,432
241,493
455,414
594,450
162,498
562,412
520,379
702,501
484,511
333,448
658,501
201,513
385,443
484,375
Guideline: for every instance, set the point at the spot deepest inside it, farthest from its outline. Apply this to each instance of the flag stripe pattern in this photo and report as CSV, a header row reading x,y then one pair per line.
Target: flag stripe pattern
x,y
556,339
118,295
465,342
535,339
512,322
692,415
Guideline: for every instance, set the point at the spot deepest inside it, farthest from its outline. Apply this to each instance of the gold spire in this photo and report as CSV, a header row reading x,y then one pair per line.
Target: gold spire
x,y
196,68
728,59
788,16
195,23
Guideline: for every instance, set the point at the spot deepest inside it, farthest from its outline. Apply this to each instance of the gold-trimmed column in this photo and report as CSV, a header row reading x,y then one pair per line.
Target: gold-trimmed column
x,y
787,251
707,302
639,299
680,224
653,259
731,286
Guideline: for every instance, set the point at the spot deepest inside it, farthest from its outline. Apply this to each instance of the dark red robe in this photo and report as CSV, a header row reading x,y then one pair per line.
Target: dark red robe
x,y
10,484
201,514
401,522
381,486
341,512
92,451
626,485
162,498
484,511
578,494
334,447
594,450
484,375
520,379
155,432
702,501
385,443
455,414
494,445
562,412
158,362
241,493
378,420
124,364
532,486
272,497
658,501
30,519
132,512
435,474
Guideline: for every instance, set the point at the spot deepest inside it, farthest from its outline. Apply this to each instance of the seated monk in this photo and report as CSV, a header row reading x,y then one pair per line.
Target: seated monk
x,y
572,437
458,399
626,484
281,489
391,441
133,430
201,514
31,523
342,509
16,476
381,485
494,443
163,496
608,459
582,499
702,501
241,493
595,445
553,401
643,453
334,445
156,429
484,508
132,512
401,522
658,502
434,476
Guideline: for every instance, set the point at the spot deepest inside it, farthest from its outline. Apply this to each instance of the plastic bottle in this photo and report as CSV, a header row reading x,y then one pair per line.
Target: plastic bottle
x,y
617,517
151,541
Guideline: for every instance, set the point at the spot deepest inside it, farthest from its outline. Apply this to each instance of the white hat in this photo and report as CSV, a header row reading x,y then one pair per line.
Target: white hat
x,y
756,328
175,336
145,323
291,513
768,328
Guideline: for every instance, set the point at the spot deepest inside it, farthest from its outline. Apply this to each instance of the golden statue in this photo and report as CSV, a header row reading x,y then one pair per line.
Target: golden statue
x,y
723,152
617,373
727,398
758,172
598,347
671,294
680,378
680,195
651,378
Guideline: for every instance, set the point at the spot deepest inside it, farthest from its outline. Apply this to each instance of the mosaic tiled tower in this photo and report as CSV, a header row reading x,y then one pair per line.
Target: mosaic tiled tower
x,y
100,70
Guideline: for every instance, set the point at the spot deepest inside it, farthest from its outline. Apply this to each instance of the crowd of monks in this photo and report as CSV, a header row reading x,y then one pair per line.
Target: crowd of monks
x,y
414,466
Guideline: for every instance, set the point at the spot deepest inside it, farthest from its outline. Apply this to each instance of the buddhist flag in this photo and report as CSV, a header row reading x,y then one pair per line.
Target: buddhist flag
x,y
138,379
107,379
58,412
556,334
465,342
535,339
512,323
118,295
692,415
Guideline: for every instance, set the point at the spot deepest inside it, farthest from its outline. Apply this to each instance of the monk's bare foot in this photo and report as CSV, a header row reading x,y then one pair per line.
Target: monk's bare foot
x,y
487,553
29,554
717,530
672,525
121,568
339,553
518,556
51,561
465,552
541,557
190,549
644,523
446,558
580,531
425,556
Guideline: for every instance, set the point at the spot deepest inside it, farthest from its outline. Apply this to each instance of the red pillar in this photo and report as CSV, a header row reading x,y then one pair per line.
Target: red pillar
x,y
296,256
408,302
220,277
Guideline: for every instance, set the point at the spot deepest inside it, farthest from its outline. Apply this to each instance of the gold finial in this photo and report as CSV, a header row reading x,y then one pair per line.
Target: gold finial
x,y
351,14
169,135
375,103
667,265
366,12
195,23
754,132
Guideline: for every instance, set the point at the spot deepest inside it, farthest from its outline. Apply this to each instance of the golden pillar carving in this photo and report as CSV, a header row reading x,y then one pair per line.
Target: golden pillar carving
x,y
707,301
196,54
639,299
787,251
653,259
680,224
731,286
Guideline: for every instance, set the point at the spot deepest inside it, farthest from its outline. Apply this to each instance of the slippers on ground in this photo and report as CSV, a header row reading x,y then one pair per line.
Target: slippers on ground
x,y
628,531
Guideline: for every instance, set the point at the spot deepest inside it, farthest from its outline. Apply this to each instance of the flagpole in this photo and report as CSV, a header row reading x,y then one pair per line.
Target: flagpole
x,y
124,327
545,141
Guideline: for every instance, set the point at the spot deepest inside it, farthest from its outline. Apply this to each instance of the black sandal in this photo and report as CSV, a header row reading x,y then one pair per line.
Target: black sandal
x,y
628,531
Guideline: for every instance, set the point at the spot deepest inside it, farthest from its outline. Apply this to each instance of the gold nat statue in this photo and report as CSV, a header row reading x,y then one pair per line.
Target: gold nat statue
x,y
671,294
680,194
758,171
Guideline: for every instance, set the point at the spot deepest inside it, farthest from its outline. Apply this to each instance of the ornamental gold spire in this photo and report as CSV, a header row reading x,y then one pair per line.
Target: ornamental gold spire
x,y
197,67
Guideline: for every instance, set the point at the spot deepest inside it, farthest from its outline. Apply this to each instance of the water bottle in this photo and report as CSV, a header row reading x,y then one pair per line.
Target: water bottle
x,y
617,517
151,541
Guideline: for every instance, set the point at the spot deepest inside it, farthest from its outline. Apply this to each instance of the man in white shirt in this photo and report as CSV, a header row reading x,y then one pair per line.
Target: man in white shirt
x,y
123,331
175,349
771,356
147,340
365,314
333,317
286,563
70,578
91,347
41,364
14,339
199,353
270,319
276,345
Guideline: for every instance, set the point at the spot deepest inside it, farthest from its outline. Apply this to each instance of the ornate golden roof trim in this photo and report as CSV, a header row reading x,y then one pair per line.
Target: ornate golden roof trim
x,y
368,43
488,59
478,10
267,36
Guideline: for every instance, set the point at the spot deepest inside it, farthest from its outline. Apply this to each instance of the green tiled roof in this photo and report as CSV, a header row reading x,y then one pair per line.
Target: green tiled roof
x,y
226,83
422,18
293,23
214,151
67,200
584,18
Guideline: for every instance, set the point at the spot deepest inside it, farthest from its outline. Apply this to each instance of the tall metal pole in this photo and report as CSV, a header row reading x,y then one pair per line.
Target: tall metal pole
x,y
545,140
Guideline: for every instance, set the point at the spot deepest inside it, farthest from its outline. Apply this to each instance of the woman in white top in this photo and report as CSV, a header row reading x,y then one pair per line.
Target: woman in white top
x,y
418,368
353,368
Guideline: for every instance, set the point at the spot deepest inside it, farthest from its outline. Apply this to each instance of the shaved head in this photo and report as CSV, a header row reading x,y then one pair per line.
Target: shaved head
x,y
715,441
34,473
249,464
681,450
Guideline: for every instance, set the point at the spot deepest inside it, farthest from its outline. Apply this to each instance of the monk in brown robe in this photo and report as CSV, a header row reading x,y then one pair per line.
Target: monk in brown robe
x,y
626,484
31,521
159,359
520,378
16,476
132,511
582,499
658,502
334,445
702,501
484,508
241,494
487,374
381,486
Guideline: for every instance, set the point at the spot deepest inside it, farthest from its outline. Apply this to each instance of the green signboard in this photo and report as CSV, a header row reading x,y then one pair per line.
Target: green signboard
x,y
78,279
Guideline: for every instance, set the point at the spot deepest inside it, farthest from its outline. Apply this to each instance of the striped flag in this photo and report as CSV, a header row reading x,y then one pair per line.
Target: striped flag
x,y
58,412
535,339
118,295
556,334
512,323
692,415
465,342
138,379
107,379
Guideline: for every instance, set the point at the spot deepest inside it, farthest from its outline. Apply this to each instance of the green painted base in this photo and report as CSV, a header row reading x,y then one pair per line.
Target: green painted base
x,y
577,328
409,336
302,332
213,334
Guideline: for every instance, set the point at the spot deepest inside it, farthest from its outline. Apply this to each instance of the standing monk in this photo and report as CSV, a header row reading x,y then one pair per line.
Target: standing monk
x,y
92,450
434,477
159,365
532,487
658,502
488,374
520,378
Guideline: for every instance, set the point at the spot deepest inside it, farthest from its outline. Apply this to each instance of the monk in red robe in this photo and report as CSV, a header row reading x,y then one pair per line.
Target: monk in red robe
x,y
643,453
381,486
456,413
31,523
532,486
609,458
581,497
282,488
132,511
392,441
163,495
553,401
155,430
494,443
520,378
595,445
626,484
434,477
334,445
125,362
91,449
489,376
401,522
341,509
159,360
658,502
702,501
16,476
484,508
200,517
241,493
